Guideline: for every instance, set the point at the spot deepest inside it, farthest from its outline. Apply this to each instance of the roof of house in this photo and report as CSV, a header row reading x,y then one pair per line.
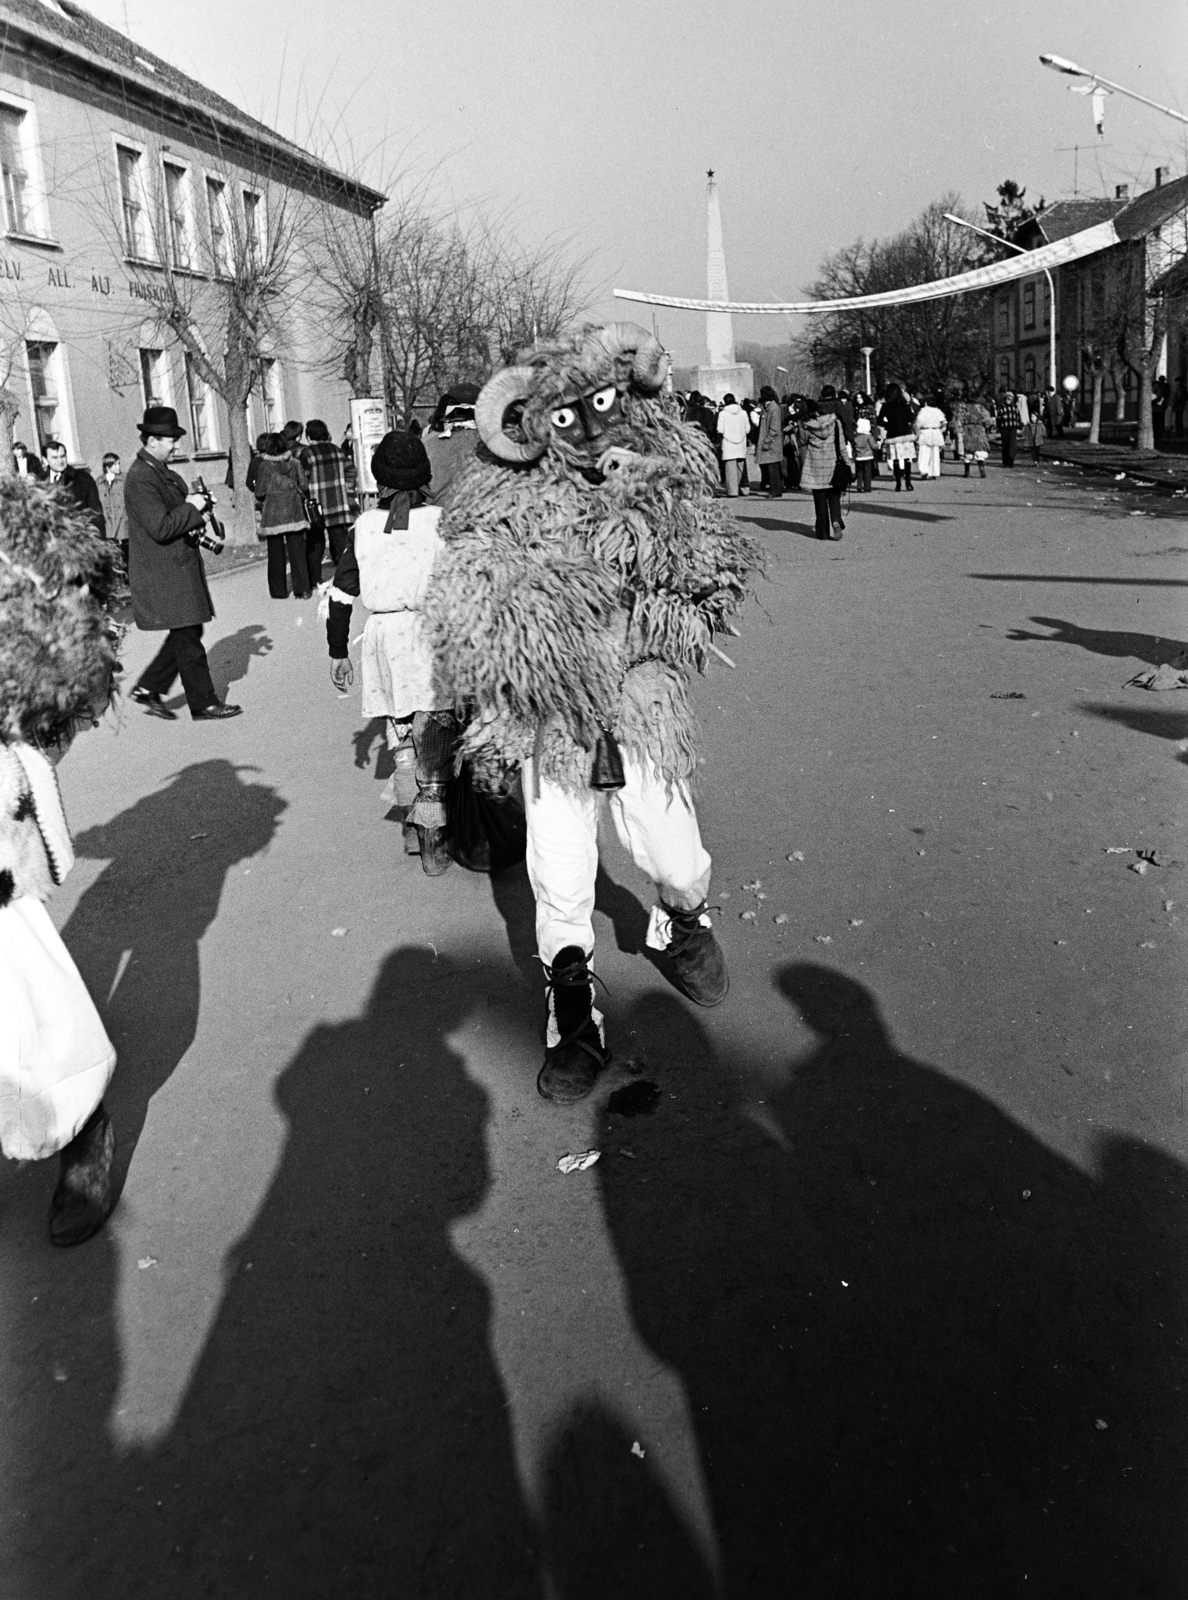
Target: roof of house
x,y
62,27
1066,217
1147,211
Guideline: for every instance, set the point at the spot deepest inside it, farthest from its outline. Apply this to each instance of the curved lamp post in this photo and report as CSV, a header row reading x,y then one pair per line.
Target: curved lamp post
x,y
986,234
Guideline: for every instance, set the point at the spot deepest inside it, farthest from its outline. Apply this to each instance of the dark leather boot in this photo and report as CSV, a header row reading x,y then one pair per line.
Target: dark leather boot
x,y
85,1195
572,1065
696,956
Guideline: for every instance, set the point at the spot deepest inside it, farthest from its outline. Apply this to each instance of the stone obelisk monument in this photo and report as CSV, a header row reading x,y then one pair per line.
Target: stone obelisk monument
x,y
722,374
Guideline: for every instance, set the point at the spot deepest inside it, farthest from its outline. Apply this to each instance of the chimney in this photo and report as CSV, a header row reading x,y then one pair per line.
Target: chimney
x,y
1122,191
1159,177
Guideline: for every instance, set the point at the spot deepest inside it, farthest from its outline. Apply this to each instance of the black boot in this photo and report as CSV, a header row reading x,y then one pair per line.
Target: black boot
x,y
85,1195
981,469
967,469
572,1065
431,805
435,858
696,956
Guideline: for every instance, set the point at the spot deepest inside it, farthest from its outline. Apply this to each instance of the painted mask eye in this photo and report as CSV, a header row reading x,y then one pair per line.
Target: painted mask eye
x,y
564,417
605,398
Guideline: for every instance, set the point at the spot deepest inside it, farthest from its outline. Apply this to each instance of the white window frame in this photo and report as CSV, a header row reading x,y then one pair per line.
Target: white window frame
x,y
190,264
261,231
38,206
270,387
210,410
165,398
120,142
219,269
41,330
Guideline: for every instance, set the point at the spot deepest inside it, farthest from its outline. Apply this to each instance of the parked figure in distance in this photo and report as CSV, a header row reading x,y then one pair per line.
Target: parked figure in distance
x,y
769,450
930,437
166,575
898,421
326,470
973,423
823,449
1009,418
733,426
76,481
111,496
864,445
280,493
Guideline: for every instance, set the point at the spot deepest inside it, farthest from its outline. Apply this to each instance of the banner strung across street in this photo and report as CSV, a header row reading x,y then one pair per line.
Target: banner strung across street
x,y
1086,243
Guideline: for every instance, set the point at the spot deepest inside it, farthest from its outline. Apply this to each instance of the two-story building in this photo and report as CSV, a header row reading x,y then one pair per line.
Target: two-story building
x,y
1101,300
118,175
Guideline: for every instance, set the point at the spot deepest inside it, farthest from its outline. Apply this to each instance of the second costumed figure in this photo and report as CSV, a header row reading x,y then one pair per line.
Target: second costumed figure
x,y
585,567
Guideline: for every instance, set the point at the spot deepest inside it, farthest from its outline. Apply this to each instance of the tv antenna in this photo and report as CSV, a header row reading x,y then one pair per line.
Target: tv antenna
x,y
1075,151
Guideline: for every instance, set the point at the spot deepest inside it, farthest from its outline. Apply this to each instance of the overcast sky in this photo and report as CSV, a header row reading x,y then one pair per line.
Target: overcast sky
x,y
597,122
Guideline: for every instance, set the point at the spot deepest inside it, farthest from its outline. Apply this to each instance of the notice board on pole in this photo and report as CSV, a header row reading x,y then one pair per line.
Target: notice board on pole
x,y
369,423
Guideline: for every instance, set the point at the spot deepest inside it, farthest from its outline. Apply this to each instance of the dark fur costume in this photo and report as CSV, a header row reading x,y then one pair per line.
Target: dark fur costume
x,y
562,605
58,639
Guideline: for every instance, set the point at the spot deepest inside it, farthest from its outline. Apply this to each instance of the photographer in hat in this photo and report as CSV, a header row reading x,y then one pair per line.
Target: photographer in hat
x,y
166,575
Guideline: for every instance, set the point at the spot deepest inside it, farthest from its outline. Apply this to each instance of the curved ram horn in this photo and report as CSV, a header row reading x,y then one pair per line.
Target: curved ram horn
x,y
649,363
499,392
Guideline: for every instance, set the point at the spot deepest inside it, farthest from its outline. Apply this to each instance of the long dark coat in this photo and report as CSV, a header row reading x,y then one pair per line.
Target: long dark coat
x,y
165,573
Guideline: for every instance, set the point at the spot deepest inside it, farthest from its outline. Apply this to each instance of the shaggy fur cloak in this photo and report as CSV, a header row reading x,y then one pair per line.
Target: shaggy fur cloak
x,y
561,606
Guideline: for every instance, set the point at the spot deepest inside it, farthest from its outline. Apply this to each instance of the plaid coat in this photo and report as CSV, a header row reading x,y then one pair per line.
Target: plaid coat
x,y
327,480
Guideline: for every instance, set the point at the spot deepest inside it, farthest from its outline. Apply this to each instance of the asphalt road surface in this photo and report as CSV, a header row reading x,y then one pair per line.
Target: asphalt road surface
x,y
884,1296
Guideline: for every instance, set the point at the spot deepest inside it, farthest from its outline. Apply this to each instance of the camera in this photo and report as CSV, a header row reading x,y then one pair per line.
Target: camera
x,y
211,536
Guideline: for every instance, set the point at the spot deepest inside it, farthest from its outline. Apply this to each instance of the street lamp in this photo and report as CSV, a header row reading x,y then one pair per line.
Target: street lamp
x,y
1097,82
867,351
986,234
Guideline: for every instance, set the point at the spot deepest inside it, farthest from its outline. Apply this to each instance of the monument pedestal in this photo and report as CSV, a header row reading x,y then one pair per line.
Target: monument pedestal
x,y
717,382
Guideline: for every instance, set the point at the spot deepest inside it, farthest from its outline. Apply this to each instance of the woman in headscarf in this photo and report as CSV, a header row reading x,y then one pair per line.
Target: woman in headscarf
x,y
823,449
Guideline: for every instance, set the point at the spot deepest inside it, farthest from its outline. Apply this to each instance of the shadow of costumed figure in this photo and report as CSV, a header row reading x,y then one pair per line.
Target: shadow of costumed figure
x,y
585,566
345,1431
141,922
896,1363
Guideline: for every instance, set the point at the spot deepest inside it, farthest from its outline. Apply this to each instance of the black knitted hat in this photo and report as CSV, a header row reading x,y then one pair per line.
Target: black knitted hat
x,y
400,462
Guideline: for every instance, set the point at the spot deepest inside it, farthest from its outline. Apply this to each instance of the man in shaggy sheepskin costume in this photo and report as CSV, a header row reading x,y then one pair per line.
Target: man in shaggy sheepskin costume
x,y
586,565
57,672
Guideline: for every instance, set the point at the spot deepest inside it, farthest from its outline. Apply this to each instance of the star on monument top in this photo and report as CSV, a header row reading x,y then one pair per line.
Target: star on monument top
x,y
710,172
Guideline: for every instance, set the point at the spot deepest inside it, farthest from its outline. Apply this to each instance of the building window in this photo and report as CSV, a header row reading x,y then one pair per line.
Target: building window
x,y
178,215
154,378
15,167
220,227
1029,378
201,410
1004,373
1047,304
45,363
253,221
271,398
1004,317
133,209
1029,305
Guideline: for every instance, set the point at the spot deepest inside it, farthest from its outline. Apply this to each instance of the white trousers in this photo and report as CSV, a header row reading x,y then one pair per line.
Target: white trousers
x,y
930,460
657,827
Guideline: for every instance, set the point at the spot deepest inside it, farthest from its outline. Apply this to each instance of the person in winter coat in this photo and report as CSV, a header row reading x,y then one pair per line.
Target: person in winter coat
x,y
930,437
863,453
841,408
1010,416
898,421
972,423
111,497
822,448
280,490
166,575
769,448
732,431
58,665
77,483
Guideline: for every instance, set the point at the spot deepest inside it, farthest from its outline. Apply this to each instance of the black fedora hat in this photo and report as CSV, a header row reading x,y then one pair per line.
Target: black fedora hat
x,y
160,422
